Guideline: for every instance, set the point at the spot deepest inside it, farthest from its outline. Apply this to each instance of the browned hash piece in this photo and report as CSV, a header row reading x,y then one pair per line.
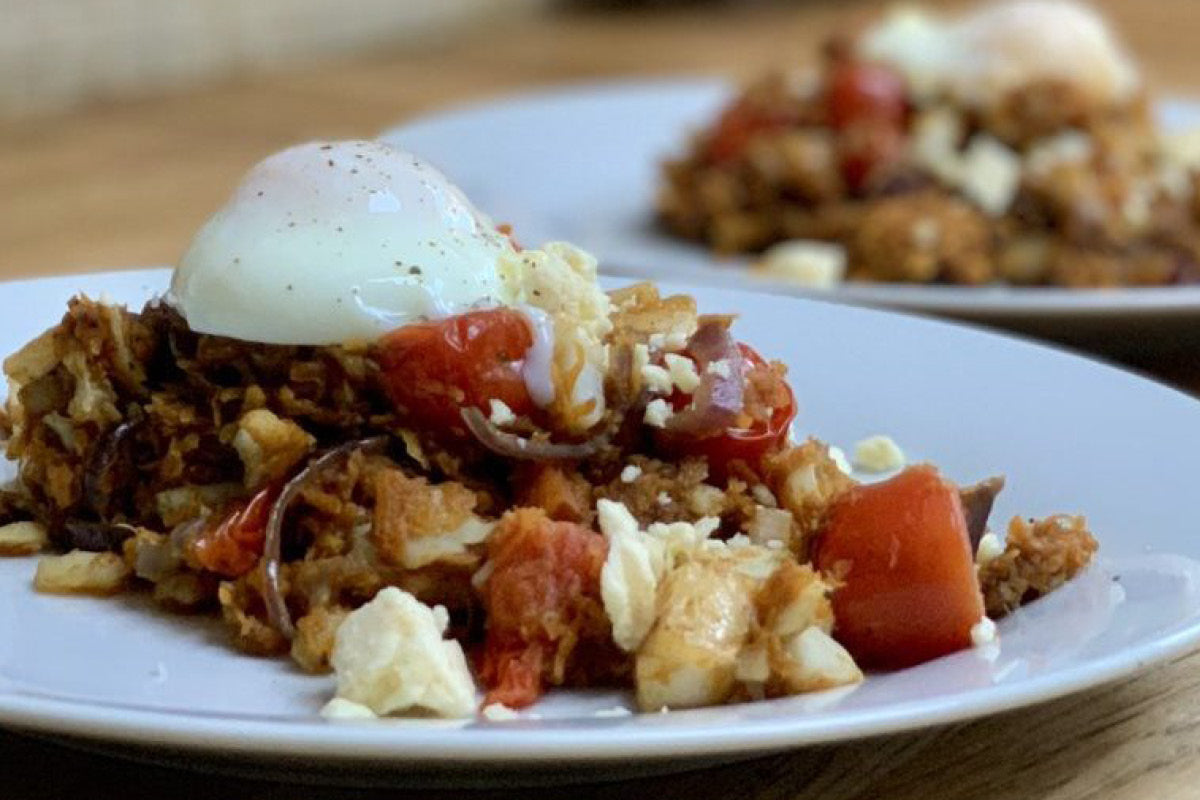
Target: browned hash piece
x,y
1039,556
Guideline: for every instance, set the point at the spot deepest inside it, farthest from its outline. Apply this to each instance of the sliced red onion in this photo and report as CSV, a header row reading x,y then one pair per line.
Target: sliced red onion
x,y
277,610
977,502
719,398
510,445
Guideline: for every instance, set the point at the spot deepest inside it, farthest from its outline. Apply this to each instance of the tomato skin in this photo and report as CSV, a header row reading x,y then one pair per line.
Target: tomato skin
x,y
900,547
865,148
432,369
738,124
233,545
856,91
733,444
543,589
868,104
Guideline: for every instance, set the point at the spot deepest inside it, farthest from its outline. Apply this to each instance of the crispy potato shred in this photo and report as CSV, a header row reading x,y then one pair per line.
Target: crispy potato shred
x,y
150,458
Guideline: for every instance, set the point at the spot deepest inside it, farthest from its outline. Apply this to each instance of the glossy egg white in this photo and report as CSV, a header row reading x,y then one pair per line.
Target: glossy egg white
x,y
1000,47
335,242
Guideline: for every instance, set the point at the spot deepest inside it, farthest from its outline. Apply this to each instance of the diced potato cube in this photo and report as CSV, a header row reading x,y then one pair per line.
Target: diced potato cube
x,y
22,539
81,572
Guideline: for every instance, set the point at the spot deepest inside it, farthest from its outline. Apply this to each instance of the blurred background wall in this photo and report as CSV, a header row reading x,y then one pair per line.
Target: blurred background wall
x,y
56,54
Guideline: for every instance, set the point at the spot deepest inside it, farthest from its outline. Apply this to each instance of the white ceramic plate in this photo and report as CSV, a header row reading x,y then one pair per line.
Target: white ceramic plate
x,y
581,164
1071,435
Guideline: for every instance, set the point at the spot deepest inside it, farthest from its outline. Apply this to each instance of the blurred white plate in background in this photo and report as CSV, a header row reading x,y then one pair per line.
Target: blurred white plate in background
x,y
581,164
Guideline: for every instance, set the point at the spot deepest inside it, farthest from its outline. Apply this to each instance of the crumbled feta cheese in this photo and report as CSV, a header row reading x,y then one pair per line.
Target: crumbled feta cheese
x,y
641,357
389,656
1137,210
936,134
612,713
340,708
818,265
926,233
663,499
679,538
631,473
558,282
878,454
670,341
990,547
656,379
683,372
991,173
719,368
630,576
763,496
770,526
838,455
498,712
1069,147
501,414
1182,148
819,662
657,413
983,633
915,44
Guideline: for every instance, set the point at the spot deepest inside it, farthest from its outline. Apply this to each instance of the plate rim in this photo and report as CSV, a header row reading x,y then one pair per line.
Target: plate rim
x,y
519,744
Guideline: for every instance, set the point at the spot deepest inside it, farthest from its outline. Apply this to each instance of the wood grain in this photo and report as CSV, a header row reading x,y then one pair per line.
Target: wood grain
x,y
126,185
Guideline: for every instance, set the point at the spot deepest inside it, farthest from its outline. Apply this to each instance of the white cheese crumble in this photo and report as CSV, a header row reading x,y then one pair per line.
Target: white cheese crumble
x,y
1069,147
991,174
614,712
657,413
641,357
656,379
498,712
878,454
936,134
339,709
683,372
389,656
838,455
631,473
719,368
572,320
501,414
817,265
983,633
763,496
630,576
663,499
670,341
635,565
990,547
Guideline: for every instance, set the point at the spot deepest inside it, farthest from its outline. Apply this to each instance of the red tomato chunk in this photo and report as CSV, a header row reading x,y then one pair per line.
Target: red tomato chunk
x,y
910,592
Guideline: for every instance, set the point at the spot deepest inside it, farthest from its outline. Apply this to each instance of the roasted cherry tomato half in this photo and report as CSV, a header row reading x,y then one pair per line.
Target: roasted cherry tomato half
x,y
432,369
722,448
232,544
909,590
856,91
543,589
740,123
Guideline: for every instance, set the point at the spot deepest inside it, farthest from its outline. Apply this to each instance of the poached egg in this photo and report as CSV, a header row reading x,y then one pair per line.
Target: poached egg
x,y
340,242
998,48
335,242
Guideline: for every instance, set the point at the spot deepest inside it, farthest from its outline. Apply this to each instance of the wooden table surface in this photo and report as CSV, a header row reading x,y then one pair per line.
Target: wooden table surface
x,y
126,184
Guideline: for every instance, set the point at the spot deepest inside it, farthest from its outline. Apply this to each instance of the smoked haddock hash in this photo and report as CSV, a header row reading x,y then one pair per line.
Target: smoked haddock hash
x,y
373,433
